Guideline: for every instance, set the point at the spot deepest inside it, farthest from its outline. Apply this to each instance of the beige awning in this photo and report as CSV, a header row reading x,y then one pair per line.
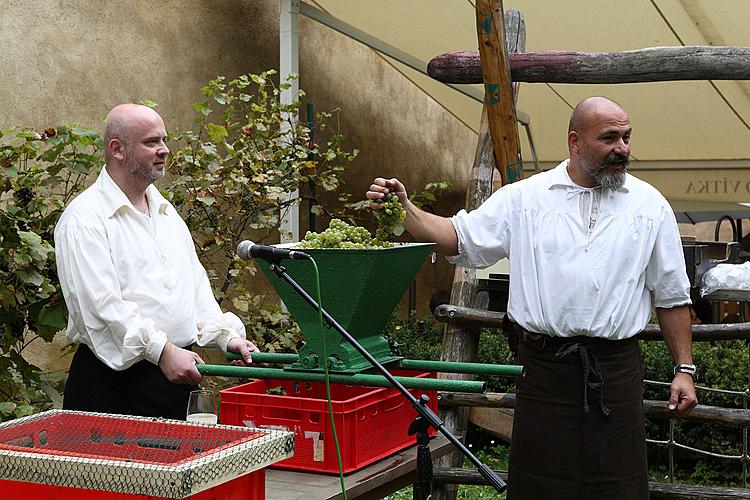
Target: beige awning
x,y
691,138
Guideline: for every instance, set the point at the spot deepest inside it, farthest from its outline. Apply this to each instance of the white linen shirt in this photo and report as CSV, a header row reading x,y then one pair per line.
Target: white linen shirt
x,y
568,279
130,283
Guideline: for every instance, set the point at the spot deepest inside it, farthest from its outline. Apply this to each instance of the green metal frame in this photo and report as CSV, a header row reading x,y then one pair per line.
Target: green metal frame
x,y
405,364
355,379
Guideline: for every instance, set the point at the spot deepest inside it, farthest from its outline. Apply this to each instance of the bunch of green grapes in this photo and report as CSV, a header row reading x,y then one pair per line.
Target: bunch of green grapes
x,y
339,234
390,217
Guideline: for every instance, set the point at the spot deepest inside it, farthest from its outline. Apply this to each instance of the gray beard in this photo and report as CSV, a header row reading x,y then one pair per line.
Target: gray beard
x,y
599,174
606,181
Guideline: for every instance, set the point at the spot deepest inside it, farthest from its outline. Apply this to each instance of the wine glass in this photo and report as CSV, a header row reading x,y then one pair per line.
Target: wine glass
x,y
201,407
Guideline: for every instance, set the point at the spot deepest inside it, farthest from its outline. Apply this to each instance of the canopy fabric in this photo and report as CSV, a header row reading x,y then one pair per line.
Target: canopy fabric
x,y
691,138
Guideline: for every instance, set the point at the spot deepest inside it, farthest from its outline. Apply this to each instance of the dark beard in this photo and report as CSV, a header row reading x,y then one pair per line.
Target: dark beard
x,y
137,170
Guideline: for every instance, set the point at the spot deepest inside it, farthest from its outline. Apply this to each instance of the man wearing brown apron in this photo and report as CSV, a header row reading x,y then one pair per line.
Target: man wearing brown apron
x,y
592,252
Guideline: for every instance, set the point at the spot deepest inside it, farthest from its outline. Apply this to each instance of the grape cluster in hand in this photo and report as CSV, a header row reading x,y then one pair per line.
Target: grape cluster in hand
x,y
339,234
391,217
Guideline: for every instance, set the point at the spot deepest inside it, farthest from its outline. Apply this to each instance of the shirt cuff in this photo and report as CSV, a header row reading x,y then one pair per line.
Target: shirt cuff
x,y
669,304
155,346
221,330
454,259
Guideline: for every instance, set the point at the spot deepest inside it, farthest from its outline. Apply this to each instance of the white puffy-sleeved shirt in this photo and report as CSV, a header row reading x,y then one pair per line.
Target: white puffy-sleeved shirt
x,y
577,268
132,281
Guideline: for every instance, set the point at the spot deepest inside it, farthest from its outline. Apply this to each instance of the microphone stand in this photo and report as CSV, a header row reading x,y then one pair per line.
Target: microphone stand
x,y
426,416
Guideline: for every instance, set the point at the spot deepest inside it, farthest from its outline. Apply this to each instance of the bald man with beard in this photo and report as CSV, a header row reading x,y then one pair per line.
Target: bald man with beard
x,y
138,298
592,251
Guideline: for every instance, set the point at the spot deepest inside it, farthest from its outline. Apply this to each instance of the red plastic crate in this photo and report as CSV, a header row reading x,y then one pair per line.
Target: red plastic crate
x,y
371,423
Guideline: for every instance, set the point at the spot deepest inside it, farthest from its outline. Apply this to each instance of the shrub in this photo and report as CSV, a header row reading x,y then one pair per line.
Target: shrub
x,y
231,177
39,173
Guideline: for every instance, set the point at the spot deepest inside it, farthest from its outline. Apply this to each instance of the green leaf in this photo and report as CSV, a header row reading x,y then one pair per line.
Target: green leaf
x,y
30,276
84,132
53,316
7,407
33,243
217,133
29,134
240,304
22,258
202,108
52,393
148,103
209,149
206,199
24,410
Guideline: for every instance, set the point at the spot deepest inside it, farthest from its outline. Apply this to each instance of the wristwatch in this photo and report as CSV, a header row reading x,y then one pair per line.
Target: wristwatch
x,y
685,368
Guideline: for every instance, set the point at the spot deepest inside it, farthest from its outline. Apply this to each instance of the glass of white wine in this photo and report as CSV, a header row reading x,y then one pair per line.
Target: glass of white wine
x,y
201,407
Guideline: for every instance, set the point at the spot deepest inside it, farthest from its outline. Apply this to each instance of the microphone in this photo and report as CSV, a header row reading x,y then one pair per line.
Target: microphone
x,y
248,249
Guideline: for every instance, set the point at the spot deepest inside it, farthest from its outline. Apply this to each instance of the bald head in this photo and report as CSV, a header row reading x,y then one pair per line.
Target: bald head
x,y
121,121
580,119
599,143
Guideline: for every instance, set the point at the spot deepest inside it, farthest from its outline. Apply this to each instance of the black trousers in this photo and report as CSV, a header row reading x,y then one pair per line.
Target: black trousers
x,y
578,430
140,390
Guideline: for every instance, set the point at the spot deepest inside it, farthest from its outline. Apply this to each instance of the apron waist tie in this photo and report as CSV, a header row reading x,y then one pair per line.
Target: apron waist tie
x,y
592,376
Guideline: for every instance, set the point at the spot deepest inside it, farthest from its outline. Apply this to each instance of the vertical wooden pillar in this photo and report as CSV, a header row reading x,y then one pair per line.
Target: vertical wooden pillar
x,y
498,94
461,343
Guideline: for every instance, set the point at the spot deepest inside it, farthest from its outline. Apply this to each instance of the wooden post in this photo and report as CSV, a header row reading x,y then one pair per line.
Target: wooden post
x,y
498,93
460,343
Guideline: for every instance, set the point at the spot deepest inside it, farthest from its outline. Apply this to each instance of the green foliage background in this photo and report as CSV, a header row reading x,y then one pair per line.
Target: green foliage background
x,y
39,173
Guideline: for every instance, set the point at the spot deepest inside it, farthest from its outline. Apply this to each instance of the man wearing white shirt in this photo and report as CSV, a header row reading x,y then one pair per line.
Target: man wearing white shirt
x,y
592,250
137,296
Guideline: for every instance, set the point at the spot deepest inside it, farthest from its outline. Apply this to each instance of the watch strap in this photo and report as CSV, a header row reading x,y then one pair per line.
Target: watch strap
x,y
685,368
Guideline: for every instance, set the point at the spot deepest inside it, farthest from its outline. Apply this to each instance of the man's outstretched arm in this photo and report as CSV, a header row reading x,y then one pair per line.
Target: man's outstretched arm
x,y
423,226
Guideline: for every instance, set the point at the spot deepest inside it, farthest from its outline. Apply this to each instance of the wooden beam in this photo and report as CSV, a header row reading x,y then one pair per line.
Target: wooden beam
x,y
732,417
469,316
657,491
657,64
704,333
482,318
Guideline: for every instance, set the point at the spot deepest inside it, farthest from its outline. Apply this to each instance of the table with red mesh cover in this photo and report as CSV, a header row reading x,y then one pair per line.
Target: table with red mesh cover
x,y
67,454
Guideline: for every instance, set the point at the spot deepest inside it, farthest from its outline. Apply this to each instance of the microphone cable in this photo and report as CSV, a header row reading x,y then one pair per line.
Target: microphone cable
x,y
328,381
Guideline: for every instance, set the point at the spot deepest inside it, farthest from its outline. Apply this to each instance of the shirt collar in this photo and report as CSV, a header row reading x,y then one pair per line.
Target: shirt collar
x,y
559,178
115,199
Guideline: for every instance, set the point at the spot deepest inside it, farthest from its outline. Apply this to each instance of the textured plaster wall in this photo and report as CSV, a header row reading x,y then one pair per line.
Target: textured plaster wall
x,y
73,60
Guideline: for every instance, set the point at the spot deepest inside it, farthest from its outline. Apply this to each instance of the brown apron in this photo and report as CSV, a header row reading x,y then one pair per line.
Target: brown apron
x,y
578,430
